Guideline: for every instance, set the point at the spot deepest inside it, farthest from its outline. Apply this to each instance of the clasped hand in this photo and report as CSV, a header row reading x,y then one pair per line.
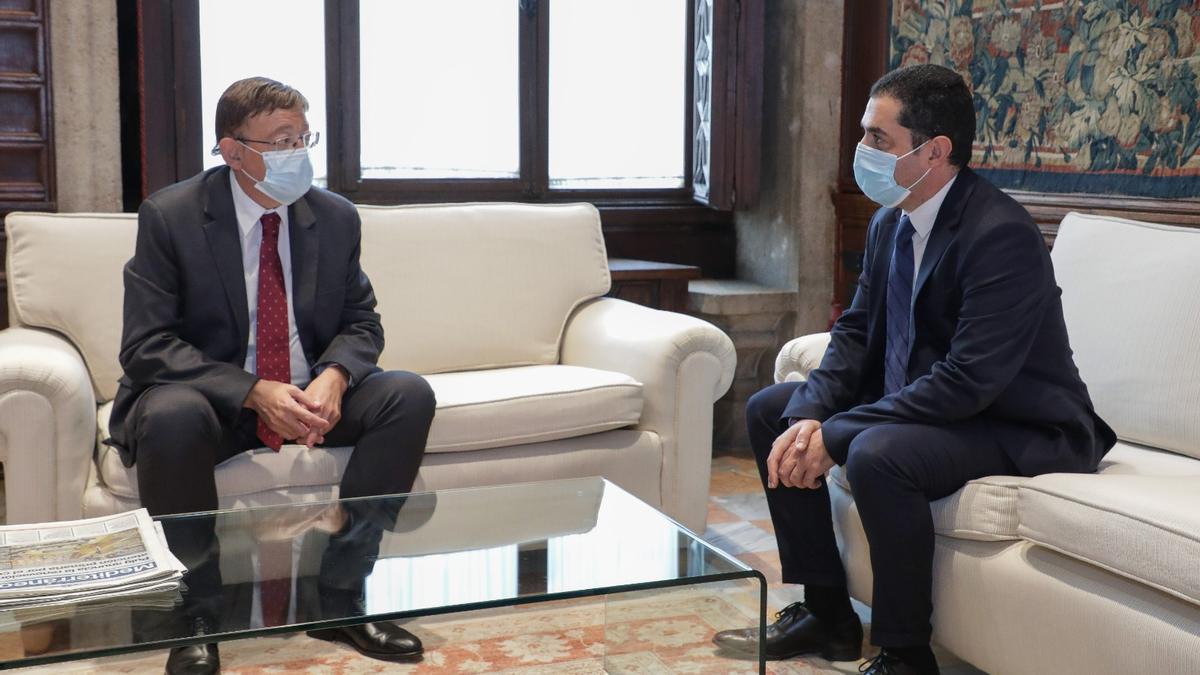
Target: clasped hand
x,y
300,414
798,457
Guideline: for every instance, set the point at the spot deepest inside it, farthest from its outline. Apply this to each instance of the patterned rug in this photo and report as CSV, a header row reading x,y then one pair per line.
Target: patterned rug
x,y
663,632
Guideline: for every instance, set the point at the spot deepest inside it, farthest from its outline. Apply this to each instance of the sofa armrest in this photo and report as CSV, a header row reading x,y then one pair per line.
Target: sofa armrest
x,y
47,425
684,364
800,356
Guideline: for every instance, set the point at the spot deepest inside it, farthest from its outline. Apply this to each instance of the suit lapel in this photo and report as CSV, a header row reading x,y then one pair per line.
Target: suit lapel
x,y
882,264
945,226
881,268
304,239
224,242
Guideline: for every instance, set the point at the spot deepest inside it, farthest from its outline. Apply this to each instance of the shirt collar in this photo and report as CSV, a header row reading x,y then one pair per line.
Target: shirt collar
x,y
249,212
924,216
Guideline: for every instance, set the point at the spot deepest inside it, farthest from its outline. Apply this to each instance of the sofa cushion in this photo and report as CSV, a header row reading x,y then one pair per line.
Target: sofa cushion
x,y
1133,325
1128,459
985,509
64,274
474,286
475,410
1146,528
510,406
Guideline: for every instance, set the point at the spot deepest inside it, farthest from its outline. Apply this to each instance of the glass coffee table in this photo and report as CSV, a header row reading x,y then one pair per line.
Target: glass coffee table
x,y
351,561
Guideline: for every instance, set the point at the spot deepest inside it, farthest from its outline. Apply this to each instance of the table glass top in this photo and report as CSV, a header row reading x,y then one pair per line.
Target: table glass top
x,y
375,558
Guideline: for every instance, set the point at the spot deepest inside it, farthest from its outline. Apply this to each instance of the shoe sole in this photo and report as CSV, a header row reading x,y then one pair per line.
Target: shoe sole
x,y
333,635
847,654
839,654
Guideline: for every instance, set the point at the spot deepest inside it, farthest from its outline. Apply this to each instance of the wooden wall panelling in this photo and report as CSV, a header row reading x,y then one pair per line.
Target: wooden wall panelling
x,y
26,122
864,57
169,56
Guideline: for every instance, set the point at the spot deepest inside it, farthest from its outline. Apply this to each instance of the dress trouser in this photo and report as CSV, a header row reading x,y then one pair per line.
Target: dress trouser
x,y
894,471
179,440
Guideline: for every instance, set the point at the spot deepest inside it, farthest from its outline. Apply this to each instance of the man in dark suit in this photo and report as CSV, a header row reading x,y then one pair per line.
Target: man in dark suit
x,y
248,321
952,363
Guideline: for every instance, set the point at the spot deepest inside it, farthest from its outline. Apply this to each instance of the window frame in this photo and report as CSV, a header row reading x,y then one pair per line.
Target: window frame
x,y
343,62
162,134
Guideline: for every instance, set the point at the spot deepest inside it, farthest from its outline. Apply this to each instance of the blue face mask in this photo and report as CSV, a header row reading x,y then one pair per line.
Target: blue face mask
x,y
289,174
875,173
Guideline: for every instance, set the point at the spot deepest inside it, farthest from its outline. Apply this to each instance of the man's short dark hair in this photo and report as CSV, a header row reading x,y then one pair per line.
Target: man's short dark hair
x,y
249,97
934,101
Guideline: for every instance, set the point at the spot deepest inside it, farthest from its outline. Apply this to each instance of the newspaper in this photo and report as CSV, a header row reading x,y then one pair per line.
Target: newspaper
x,y
123,555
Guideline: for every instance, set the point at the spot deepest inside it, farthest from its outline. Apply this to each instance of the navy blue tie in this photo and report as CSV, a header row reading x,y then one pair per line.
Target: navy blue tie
x,y
899,309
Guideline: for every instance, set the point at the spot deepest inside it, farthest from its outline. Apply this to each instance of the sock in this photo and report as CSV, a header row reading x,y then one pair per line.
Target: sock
x,y
920,657
830,603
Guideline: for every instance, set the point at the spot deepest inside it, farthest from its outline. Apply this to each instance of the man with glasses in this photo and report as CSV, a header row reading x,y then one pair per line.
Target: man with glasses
x,y
249,322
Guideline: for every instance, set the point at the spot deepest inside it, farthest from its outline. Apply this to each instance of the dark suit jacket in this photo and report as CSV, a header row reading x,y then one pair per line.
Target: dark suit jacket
x,y
186,319
987,340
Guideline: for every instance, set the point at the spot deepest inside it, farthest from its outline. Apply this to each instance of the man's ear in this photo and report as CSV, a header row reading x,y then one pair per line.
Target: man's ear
x,y
941,146
231,152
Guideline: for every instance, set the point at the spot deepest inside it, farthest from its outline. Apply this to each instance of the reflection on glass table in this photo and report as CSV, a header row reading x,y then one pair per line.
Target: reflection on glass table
x,y
351,561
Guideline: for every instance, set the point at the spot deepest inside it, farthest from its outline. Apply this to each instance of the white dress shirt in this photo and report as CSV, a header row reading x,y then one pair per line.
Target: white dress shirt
x,y
922,219
248,214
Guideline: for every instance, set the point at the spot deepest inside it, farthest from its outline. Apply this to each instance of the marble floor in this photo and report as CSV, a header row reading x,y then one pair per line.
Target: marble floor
x,y
738,523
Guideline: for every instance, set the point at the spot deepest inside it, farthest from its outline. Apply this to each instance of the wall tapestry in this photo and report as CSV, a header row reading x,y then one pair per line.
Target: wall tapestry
x,y
1095,96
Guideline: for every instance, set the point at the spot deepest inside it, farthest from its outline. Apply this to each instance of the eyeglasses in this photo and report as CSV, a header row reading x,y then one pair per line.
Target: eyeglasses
x,y
305,140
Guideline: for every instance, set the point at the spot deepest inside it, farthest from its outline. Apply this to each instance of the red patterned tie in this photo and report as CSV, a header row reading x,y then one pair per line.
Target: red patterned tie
x,y
272,356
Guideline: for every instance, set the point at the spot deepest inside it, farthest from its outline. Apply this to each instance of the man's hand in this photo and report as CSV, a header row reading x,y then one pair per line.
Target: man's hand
x,y
326,390
815,462
286,409
787,450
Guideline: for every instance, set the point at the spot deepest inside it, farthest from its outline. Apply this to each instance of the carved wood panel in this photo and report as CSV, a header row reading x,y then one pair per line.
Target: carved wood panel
x,y
726,90
26,125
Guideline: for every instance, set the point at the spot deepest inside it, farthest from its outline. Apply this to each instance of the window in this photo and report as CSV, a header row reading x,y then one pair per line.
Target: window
x,y
618,94
225,20
631,104
500,99
439,84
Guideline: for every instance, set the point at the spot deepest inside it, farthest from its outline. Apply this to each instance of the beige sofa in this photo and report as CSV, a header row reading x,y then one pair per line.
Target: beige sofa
x,y
1069,573
499,305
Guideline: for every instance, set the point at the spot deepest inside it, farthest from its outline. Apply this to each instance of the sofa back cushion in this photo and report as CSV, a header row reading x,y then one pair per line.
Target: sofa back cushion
x,y
463,287
64,274
459,287
1131,297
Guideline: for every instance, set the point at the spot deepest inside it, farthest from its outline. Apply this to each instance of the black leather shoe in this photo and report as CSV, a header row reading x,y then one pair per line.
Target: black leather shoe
x,y
797,631
195,659
381,640
886,663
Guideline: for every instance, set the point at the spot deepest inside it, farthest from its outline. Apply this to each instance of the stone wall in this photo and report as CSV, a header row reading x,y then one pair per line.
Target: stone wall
x,y
786,241
759,319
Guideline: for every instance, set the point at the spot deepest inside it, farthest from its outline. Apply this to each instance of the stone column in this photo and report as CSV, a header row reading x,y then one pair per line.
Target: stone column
x,y
86,89
759,319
